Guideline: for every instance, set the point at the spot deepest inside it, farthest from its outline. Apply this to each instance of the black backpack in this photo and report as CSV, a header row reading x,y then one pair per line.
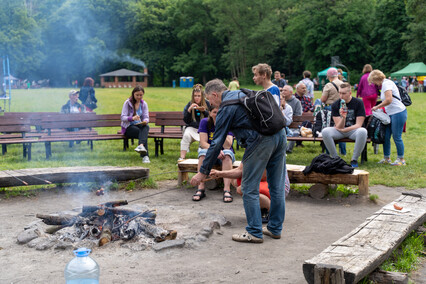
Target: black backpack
x,y
323,119
405,97
263,111
376,131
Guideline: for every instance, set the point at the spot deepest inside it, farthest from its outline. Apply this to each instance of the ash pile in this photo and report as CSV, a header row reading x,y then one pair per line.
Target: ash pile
x,y
95,226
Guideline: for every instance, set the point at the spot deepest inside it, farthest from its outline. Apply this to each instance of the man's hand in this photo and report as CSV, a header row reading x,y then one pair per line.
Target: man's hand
x,y
197,179
221,155
215,174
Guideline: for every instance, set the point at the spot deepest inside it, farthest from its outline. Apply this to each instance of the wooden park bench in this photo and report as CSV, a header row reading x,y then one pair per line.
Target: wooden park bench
x,y
354,256
171,127
295,174
13,131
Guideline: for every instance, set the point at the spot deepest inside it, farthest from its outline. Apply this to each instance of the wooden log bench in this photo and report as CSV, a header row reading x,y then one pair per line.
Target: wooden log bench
x,y
40,176
295,174
299,119
361,251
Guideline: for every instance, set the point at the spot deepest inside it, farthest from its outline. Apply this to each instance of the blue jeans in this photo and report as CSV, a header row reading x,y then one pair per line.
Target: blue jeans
x,y
395,129
269,154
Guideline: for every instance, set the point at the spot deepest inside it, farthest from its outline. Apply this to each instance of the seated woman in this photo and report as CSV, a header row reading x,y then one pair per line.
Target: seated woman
x,y
226,156
193,112
134,121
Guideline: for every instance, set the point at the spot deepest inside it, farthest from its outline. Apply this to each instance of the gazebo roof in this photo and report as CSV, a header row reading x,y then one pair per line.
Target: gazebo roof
x,y
123,72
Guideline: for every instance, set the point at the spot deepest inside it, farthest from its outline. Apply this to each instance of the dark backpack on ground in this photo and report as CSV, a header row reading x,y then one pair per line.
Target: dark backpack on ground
x,y
376,131
263,111
405,97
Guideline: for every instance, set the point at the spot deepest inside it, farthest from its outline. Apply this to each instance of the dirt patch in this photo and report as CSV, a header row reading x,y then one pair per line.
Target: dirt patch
x,y
310,226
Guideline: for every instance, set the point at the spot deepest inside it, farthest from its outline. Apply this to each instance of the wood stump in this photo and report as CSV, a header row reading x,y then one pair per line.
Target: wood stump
x,y
318,191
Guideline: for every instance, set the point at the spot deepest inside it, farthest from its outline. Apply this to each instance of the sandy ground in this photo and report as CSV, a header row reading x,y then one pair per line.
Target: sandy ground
x,y
310,226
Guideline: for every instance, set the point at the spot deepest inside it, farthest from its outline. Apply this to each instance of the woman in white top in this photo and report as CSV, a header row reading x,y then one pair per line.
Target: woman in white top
x,y
397,111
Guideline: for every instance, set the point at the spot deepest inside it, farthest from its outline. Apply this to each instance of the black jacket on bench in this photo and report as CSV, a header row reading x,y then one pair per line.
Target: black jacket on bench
x,y
325,164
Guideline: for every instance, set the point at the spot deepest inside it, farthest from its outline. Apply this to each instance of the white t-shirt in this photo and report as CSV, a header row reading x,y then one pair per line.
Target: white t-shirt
x,y
288,114
396,105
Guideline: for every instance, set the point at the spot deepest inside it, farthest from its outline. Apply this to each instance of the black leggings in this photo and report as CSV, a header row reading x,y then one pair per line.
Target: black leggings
x,y
138,132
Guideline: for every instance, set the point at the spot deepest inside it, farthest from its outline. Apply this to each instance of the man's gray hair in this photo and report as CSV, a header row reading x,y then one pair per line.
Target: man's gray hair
x,y
300,84
215,85
288,87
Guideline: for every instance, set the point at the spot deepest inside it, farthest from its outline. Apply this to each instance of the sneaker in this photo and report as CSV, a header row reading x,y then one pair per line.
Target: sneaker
x,y
141,149
180,159
399,162
146,160
265,215
266,232
385,161
246,238
354,164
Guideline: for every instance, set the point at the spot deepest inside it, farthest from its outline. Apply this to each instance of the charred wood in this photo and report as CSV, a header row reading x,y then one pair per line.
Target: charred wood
x,y
65,220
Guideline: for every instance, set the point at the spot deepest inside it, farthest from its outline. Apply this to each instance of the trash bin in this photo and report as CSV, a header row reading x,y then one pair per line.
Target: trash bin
x,y
182,82
189,82
174,83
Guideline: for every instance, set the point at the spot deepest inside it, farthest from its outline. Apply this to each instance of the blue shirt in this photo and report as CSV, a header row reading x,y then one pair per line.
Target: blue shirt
x,y
275,91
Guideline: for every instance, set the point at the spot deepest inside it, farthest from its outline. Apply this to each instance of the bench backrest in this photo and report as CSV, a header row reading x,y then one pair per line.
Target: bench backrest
x,y
14,125
173,118
298,119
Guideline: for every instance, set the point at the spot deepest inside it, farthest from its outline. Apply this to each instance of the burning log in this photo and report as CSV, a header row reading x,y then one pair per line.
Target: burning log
x,y
105,223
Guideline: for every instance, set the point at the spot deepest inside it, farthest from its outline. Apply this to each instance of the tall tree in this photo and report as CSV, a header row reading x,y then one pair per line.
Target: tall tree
x,y
251,32
318,30
193,25
20,38
415,37
152,39
390,23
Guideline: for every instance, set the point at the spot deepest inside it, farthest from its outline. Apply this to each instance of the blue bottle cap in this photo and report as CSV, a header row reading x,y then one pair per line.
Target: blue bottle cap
x,y
81,252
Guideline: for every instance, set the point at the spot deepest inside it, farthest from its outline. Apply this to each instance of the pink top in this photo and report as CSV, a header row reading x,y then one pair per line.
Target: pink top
x,y
364,88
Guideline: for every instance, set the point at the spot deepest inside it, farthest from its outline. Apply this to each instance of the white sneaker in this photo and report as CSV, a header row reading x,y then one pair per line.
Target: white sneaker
x,y
141,150
146,160
180,159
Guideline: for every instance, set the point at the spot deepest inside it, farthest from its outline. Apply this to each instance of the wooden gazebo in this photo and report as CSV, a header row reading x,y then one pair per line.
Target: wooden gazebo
x,y
124,78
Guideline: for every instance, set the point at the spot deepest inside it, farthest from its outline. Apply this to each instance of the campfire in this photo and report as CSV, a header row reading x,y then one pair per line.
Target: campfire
x,y
105,223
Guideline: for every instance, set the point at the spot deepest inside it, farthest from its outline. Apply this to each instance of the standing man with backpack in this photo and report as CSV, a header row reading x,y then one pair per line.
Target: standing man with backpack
x,y
262,152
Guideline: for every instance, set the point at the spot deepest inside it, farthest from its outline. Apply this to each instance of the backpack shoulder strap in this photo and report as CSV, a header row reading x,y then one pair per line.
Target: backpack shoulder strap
x,y
337,88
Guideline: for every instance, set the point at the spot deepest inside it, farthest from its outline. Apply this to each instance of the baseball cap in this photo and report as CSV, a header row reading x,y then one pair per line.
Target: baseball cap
x,y
73,92
332,72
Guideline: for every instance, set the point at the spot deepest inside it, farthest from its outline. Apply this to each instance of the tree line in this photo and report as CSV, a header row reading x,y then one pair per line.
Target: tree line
x,y
66,40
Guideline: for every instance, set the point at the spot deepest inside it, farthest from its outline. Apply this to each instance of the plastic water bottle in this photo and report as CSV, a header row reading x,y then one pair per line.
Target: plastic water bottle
x,y
82,269
343,105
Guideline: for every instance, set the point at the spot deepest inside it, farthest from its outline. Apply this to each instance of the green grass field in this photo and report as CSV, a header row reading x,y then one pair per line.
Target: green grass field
x,y
164,167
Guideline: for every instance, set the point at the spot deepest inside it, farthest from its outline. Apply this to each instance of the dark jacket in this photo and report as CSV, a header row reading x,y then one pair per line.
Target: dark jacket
x,y
85,92
325,164
66,108
187,116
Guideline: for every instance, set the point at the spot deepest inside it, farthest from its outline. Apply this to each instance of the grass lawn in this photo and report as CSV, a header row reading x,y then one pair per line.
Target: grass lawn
x,y
164,167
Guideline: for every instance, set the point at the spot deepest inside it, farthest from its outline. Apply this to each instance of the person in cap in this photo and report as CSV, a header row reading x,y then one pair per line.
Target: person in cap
x,y
72,106
330,94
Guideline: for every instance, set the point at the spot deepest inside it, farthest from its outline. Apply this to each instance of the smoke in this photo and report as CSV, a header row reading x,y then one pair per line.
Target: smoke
x,y
85,37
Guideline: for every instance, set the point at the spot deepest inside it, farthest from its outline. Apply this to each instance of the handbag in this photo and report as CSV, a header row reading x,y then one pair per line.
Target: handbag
x,y
90,103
